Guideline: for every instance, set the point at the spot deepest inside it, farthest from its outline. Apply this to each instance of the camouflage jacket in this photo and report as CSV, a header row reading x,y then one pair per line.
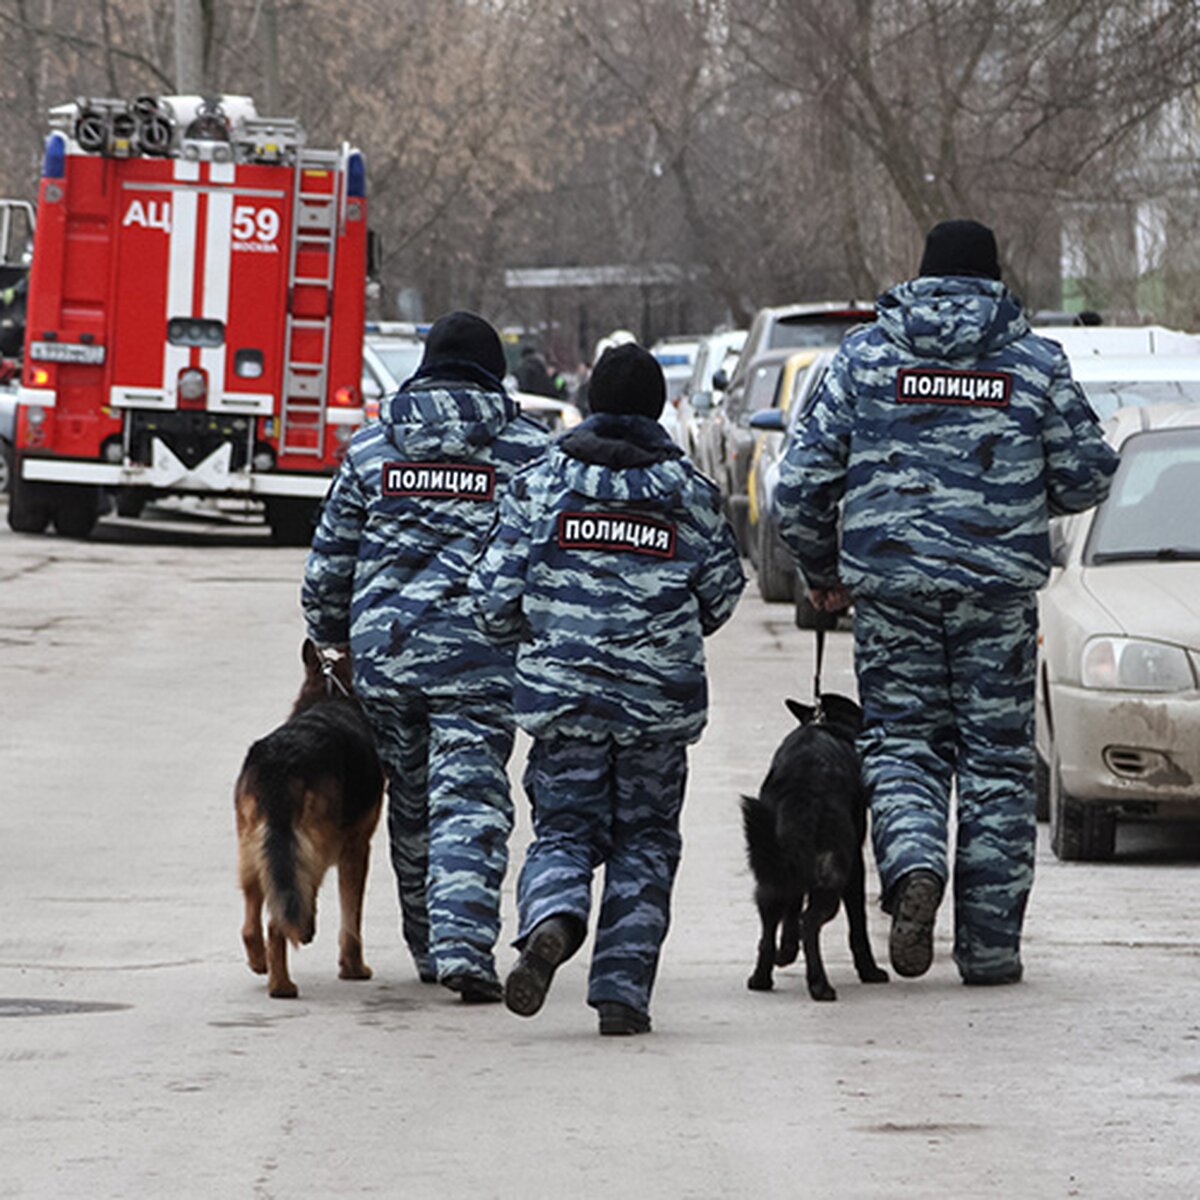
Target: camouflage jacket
x,y
407,514
610,563
949,433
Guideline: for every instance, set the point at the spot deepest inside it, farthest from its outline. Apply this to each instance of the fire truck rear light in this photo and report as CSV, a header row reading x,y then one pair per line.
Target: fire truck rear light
x,y
39,377
263,460
346,397
193,385
35,416
248,364
113,452
190,331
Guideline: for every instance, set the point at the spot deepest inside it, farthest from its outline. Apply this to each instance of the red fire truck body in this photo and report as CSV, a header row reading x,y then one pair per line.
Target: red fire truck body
x,y
195,313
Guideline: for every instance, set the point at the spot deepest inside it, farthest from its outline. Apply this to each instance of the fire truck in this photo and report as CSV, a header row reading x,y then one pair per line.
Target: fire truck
x,y
195,313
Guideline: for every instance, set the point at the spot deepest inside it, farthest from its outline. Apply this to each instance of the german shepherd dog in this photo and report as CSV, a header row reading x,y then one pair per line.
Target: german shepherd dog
x,y
308,796
804,838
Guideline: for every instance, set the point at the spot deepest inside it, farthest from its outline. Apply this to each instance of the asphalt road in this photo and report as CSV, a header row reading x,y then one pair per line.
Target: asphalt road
x,y
140,1058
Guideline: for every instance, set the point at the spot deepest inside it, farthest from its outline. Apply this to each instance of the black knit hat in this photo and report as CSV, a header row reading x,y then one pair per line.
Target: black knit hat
x,y
462,337
627,379
960,248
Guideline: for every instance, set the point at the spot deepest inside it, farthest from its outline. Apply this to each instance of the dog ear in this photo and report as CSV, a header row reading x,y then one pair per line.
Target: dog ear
x,y
311,657
803,713
840,710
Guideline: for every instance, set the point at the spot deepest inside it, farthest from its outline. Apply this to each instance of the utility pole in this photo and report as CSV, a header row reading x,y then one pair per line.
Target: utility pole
x,y
272,97
190,46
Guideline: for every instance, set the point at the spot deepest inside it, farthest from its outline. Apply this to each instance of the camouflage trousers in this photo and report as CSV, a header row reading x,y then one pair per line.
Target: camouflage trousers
x,y
947,689
600,802
449,819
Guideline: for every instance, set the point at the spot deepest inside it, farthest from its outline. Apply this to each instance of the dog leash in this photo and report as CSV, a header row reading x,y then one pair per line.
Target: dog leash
x,y
331,680
823,622
818,714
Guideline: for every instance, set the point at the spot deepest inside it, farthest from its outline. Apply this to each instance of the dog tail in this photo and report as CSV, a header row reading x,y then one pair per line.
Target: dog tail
x,y
281,801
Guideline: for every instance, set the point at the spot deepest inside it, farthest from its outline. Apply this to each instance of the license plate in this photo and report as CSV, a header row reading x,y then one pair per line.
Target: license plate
x,y
67,352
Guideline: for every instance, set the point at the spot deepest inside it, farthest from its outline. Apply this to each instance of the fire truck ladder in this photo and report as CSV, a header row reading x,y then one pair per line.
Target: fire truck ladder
x,y
315,219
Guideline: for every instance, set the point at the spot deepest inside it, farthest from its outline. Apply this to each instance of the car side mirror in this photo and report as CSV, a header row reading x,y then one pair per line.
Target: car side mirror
x,y
720,379
769,419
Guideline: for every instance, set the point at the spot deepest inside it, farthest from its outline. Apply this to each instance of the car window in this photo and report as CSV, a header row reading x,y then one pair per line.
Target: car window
x,y
1151,510
760,387
808,334
1106,396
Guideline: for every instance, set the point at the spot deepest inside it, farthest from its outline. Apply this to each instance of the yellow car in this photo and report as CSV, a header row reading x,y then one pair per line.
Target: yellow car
x,y
772,561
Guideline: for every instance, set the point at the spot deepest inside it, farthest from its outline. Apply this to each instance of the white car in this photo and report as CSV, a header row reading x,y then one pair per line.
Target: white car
x,y
1118,687
393,354
389,358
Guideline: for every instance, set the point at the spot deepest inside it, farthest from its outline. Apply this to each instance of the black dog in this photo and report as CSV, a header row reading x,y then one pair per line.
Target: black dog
x,y
804,838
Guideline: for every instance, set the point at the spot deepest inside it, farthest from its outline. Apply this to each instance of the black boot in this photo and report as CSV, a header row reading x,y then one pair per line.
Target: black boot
x,y
550,944
914,913
474,989
619,1020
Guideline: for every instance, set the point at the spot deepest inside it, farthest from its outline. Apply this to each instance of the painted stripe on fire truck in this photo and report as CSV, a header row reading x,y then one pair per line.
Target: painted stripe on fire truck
x,y
181,270
217,240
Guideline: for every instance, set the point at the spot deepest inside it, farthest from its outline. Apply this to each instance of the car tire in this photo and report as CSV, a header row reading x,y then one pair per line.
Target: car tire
x,y
1079,832
807,615
292,520
739,518
76,509
776,567
1041,781
29,506
6,472
131,501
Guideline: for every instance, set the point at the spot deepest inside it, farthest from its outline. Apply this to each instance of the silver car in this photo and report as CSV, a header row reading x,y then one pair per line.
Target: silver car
x,y
1118,706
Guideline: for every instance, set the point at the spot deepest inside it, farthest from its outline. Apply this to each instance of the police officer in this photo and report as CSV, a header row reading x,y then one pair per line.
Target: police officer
x,y
948,433
611,561
407,514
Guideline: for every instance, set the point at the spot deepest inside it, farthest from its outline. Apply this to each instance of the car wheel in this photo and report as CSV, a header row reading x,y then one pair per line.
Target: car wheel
x,y
776,567
292,520
29,507
807,616
76,509
5,467
1079,832
131,501
739,518
1041,780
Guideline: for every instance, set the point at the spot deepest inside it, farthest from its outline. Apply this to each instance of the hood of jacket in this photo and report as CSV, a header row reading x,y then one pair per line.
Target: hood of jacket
x,y
950,316
625,457
435,419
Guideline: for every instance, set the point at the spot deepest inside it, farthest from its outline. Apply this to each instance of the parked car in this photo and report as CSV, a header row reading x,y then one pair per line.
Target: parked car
x,y
8,419
391,353
1118,702
716,360
1118,381
734,439
557,415
676,357
774,427
773,335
